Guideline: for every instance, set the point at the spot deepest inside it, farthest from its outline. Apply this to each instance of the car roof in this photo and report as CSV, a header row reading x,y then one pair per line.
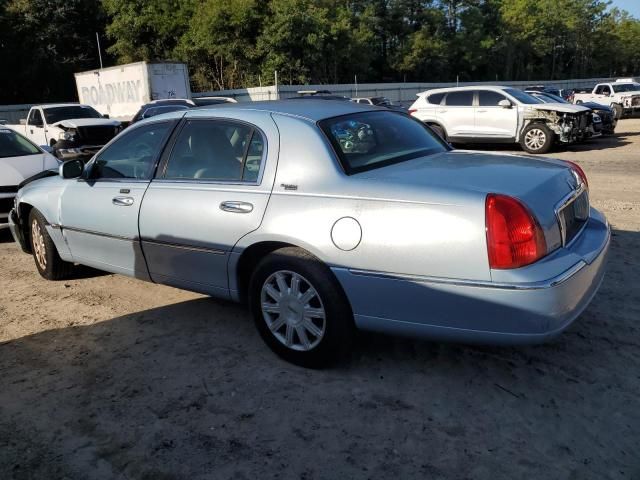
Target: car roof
x,y
312,110
57,105
494,88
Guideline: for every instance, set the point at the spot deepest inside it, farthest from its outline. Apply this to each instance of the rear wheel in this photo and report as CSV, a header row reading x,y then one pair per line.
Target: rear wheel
x,y
45,254
299,309
440,131
536,138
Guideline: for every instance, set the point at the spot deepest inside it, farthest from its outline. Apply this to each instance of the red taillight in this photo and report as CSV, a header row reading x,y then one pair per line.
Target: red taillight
x,y
576,168
412,111
514,237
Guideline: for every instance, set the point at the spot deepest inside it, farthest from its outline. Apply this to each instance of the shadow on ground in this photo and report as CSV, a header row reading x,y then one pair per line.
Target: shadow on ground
x,y
176,392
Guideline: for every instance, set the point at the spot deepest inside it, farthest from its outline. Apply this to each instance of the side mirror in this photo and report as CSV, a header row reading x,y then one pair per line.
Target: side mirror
x,y
47,148
505,103
106,115
71,169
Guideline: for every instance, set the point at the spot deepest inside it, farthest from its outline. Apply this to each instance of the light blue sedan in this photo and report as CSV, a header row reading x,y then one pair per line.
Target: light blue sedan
x,y
326,217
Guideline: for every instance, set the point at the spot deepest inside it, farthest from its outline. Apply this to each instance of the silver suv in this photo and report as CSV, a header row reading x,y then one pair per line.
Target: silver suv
x,y
489,114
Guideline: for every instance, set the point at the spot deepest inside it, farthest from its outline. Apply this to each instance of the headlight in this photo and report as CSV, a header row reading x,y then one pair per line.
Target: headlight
x,y
68,135
596,118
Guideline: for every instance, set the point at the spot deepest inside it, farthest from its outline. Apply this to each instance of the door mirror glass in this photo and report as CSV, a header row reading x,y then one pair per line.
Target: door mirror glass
x,y
106,115
505,103
71,169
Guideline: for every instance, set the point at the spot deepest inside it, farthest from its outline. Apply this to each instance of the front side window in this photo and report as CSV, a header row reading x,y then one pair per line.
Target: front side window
x,y
14,145
364,141
460,99
133,155
488,98
216,150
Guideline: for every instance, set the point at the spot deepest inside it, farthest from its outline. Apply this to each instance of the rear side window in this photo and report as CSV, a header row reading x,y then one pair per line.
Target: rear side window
x,y
487,98
435,99
460,99
364,141
216,150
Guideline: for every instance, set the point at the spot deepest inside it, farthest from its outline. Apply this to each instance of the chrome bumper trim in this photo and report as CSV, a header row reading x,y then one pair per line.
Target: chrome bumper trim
x,y
550,283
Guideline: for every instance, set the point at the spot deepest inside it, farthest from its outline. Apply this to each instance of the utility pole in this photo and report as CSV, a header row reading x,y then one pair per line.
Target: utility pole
x,y
99,51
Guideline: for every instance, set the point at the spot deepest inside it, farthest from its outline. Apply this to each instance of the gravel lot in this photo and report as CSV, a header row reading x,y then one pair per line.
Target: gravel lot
x,y
106,377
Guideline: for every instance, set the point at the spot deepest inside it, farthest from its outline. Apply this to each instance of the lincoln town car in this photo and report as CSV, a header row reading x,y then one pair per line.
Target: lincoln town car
x,y
325,217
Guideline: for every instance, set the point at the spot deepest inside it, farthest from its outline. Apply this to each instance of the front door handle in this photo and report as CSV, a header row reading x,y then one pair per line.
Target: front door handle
x,y
236,207
442,111
481,111
123,201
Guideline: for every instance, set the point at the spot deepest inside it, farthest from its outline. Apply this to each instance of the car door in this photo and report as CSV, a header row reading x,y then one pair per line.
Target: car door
x,y
602,94
36,130
457,114
210,191
492,120
99,212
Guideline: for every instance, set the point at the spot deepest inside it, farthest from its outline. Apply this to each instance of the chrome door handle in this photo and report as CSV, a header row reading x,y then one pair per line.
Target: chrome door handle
x,y
236,207
123,201
442,111
481,111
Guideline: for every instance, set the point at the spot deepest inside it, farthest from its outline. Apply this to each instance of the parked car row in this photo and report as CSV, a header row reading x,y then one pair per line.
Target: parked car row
x,y
331,216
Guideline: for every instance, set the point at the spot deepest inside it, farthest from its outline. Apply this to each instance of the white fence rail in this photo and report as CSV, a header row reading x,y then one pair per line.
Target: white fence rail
x,y
404,93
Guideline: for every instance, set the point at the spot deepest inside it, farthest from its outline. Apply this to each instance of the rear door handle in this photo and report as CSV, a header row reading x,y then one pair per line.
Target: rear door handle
x,y
236,207
481,111
123,201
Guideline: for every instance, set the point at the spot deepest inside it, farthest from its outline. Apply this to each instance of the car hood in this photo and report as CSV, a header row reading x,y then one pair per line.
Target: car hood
x,y
558,107
14,170
597,106
87,122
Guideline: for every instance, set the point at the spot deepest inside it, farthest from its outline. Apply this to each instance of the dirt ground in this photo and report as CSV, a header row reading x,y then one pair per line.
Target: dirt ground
x,y
105,377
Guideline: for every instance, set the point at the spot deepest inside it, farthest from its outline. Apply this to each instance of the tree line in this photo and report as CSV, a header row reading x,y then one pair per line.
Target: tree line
x,y
241,43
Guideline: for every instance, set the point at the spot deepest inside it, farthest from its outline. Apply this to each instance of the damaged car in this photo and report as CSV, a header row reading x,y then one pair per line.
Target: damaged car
x,y
493,114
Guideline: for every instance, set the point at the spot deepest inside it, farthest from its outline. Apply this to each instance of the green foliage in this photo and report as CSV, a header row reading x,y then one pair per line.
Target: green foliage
x,y
240,43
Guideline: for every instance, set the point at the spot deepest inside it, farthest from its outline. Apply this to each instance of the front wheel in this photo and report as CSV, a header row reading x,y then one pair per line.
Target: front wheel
x,y
48,262
299,308
617,111
536,138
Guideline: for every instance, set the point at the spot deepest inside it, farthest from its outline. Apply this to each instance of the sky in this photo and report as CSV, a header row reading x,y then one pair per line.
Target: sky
x,y
631,6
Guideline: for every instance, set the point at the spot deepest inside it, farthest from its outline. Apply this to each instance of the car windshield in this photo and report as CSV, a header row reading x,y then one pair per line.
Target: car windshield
x,y
364,141
626,87
522,97
57,114
14,145
547,97
381,101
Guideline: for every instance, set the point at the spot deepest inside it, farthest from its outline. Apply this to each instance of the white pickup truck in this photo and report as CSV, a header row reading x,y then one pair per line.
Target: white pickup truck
x,y
70,129
623,96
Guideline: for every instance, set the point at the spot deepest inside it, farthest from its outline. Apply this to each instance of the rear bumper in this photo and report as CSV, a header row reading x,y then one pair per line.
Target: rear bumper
x,y
481,312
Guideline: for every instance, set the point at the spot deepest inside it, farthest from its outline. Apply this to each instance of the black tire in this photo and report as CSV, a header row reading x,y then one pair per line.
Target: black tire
x,y
544,135
440,131
337,328
617,111
45,254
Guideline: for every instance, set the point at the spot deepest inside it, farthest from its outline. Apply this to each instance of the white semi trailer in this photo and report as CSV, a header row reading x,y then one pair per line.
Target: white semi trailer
x,y
120,91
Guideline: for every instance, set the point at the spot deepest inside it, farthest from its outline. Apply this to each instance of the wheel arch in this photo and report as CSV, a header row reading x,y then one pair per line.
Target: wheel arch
x,y
240,270
24,209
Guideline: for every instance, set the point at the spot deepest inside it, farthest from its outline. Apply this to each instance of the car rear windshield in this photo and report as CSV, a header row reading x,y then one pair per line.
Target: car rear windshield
x,y
14,145
368,140
57,114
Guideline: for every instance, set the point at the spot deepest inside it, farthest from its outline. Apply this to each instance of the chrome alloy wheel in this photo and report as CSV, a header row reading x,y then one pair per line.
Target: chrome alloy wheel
x,y
293,310
535,139
39,248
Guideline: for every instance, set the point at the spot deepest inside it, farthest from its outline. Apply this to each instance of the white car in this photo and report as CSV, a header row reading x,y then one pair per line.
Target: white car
x,y
623,96
19,160
491,114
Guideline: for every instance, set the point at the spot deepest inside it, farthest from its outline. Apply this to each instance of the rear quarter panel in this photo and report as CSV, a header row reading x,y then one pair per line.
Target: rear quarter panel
x,y
405,230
